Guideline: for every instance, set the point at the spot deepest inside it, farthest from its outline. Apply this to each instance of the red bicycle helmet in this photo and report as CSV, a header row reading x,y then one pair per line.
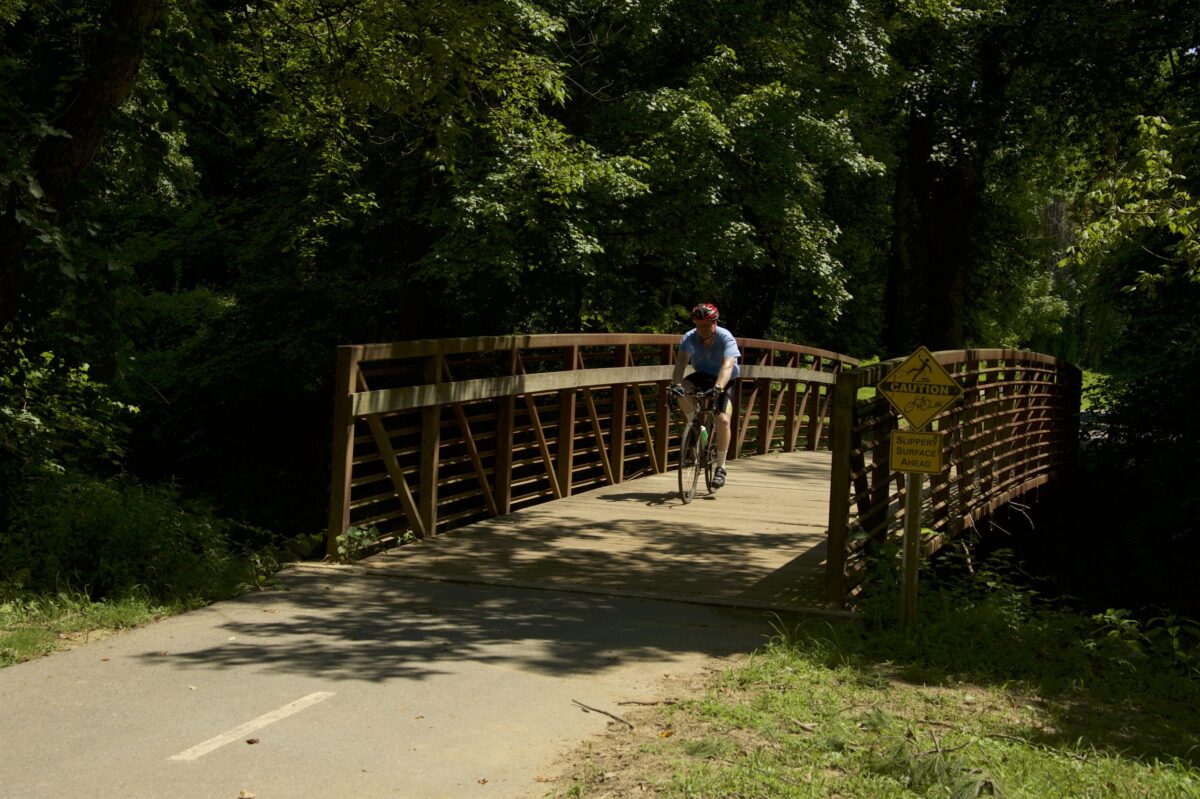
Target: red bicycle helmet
x,y
706,311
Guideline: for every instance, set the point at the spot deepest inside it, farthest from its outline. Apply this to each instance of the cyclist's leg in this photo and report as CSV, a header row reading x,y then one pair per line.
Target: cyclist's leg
x,y
724,412
686,403
724,409
723,436
696,381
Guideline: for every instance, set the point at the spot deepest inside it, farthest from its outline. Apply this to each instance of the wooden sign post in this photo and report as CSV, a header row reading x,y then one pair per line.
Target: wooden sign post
x,y
919,389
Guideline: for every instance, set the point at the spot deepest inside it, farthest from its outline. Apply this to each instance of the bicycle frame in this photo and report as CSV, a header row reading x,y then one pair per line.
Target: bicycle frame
x,y
698,445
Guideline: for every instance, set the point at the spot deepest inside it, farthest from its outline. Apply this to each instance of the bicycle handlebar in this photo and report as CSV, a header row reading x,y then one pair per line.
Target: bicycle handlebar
x,y
680,391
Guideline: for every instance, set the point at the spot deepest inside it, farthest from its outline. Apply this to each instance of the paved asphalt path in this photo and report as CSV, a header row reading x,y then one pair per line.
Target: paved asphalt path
x,y
348,684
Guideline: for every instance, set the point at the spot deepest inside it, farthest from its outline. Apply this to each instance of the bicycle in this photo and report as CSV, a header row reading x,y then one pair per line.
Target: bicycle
x,y
698,444
920,404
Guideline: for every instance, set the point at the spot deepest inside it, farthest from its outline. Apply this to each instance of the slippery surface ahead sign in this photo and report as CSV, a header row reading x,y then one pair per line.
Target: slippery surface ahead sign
x,y
916,452
920,388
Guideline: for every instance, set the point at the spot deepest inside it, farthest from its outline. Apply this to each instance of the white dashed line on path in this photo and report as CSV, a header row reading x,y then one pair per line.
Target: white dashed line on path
x,y
202,749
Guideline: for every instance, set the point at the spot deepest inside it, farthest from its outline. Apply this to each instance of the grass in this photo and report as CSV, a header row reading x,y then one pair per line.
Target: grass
x,y
31,627
990,694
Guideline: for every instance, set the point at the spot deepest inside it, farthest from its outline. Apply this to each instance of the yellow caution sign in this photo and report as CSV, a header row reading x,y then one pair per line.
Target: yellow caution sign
x,y
919,389
916,452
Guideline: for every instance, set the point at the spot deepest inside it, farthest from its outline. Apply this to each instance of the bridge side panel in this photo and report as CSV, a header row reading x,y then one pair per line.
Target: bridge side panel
x,y
1014,430
472,428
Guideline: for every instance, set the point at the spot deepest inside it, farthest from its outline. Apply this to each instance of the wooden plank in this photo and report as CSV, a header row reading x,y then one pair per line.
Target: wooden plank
x,y
540,433
800,412
780,373
415,520
476,463
423,348
506,412
662,426
598,542
402,399
791,418
874,515
647,434
756,344
734,416
744,427
345,383
839,486
599,432
431,444
775,413
620,410
819,417
566,425
766,424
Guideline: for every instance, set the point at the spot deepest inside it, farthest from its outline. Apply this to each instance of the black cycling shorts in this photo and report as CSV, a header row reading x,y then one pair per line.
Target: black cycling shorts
x,y
703,382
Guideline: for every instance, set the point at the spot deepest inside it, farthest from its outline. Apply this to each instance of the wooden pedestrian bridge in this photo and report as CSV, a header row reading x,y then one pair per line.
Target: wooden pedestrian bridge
x,y
546,461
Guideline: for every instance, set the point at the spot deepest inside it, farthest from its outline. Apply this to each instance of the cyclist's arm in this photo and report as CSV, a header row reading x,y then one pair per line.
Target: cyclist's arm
x,y
682,357
726,373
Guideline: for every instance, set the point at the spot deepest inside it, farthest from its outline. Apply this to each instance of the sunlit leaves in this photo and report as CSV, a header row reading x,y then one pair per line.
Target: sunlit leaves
x,y
1144,196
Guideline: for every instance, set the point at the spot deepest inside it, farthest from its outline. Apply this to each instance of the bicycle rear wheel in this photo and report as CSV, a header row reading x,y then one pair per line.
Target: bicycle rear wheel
x,y
691,460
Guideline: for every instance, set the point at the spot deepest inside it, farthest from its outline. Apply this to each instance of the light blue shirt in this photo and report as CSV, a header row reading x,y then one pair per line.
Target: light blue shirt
x,y
709,359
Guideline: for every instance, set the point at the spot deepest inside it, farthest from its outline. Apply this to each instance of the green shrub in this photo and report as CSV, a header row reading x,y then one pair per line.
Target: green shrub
x,y
987,620
113,537
53,417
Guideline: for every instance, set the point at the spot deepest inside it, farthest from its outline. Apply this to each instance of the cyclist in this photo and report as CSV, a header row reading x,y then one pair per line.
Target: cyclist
x,y
712,350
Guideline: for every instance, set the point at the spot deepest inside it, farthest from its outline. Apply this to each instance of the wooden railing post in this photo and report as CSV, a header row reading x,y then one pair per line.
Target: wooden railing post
x,y
662,418
790,422
620,401
764,416
735,417
844,393
343,445
816,408
431,442
566,425
881,483
506,411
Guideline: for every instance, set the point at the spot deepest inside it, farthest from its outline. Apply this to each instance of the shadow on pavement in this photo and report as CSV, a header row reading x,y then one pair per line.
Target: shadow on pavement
x,y
343,625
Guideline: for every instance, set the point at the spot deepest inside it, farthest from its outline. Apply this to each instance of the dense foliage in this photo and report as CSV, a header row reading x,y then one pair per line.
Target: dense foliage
x,y
200,200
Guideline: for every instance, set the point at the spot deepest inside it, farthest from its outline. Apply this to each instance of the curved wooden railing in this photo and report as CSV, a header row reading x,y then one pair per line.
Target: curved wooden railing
x,y
1014,429
434,434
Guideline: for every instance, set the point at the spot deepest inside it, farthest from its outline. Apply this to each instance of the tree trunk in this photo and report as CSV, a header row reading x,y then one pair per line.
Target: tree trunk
x,y
755,290
59,160
933,250
938,218
906,297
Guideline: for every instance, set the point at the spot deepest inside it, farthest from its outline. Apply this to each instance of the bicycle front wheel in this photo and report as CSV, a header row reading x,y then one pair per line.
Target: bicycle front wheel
x,y
710,460
691,462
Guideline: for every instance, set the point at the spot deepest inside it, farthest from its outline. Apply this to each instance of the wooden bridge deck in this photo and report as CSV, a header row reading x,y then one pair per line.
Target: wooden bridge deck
x,y
759,542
